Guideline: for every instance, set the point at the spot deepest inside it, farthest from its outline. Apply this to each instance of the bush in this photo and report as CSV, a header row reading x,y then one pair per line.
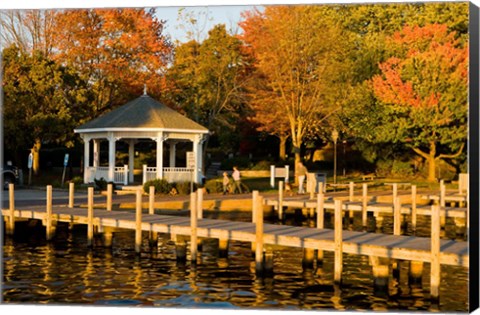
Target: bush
x,y
262,166
214,186
402,169
100,184
183,188
77,181
162,186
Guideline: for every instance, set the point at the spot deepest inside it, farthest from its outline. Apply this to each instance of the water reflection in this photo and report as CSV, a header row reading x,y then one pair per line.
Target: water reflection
x,y
67,272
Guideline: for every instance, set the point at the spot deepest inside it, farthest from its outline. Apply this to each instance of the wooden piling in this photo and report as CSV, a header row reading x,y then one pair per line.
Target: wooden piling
x,y
364,204
397,217
320,220
394,190
268,262
193,226
200,203
338,265
259,234
442,193
435,253
280,200
71,194
223,248
138,221
107,236
254,207
11,210
350,191
415,272
180,249
90,217
49,215
109,197
308,258
151,199
414,207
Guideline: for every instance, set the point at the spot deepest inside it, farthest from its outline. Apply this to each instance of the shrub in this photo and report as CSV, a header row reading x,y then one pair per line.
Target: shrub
x,y
77,181
183,188
402,169
162,186
214,186
100,184
262,165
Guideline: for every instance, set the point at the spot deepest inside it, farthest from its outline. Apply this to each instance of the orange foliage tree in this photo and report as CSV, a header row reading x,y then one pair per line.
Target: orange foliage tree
x,y
423,88
117,50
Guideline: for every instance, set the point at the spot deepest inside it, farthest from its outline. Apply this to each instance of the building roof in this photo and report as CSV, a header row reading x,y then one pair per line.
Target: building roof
x,y
142,113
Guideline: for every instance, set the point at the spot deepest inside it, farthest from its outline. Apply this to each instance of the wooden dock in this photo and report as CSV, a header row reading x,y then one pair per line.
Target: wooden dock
x,y
380,247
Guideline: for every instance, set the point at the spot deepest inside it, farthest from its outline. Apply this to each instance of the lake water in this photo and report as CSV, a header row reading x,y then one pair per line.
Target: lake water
x,y
66,272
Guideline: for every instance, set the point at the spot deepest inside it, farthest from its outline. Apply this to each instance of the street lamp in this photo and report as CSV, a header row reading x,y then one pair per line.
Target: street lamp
x,y
335,138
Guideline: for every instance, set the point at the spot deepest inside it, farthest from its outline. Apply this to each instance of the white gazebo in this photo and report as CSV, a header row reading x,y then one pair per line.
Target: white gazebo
x,y
142,118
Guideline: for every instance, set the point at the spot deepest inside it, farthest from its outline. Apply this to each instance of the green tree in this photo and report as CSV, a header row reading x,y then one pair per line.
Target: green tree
x,y
209,79
43,102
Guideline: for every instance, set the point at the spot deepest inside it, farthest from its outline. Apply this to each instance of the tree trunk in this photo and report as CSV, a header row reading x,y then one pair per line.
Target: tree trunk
x,y
36,156
283,148
431,168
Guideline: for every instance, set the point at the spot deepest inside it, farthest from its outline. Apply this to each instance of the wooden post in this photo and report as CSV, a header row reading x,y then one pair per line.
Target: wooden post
x,y
151,199
350,194
90,217
223,248
435,253
11,216
138,222
200,203
71,194
268,263
193,226
381,272
280,200
49,214
415,272
320,221
259,235
180,249
442,194
414,207
308,257
254,213
107,236
364,204
394,191
338,242
109,197
397,217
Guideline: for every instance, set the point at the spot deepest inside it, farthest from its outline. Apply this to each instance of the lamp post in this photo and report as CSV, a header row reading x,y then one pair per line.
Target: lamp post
x,y
344,160
335,138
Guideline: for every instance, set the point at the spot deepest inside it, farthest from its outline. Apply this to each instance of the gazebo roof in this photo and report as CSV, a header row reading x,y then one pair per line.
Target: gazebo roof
x,y
142,113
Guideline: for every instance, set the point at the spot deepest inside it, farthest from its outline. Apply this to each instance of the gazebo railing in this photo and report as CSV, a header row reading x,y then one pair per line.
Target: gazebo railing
x,y
171,174
120,174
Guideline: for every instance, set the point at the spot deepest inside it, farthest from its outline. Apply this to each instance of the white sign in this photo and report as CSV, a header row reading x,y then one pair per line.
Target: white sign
x,y
190,160
30,160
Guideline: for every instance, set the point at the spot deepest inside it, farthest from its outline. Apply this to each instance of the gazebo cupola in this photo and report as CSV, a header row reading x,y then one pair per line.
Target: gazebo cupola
x,y
142,118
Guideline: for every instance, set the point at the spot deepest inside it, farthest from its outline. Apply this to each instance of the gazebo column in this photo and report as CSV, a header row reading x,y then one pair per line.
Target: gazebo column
x,y
111,156
160,155
96,152
197,151
86,158
131,156
173,148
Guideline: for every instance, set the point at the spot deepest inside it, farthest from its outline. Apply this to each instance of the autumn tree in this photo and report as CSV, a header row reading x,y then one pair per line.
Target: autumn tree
x,y
117,51
43,102
423,92
297,52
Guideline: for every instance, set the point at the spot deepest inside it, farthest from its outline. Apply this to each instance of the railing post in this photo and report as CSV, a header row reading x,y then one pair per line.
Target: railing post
x,y
138,222
394,190
193,226
125,175
254,213
200,203
71,194
397,217
442,193
351,192
49,215
90,217
11,219
338,265
280,200
320,220
414,207
272,176
364,204
259,235
109,197
144,174
151,199
435,253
